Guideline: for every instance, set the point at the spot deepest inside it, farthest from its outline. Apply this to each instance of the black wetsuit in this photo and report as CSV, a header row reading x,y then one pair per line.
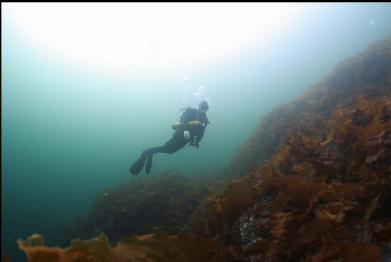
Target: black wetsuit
x,y
177,141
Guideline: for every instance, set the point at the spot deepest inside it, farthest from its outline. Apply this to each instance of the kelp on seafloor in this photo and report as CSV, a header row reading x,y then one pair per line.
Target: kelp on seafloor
x,y
325,194
152,247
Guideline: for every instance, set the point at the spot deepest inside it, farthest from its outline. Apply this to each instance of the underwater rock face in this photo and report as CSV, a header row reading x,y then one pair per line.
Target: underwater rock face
x,y
366,75
379,151
315,179
162,202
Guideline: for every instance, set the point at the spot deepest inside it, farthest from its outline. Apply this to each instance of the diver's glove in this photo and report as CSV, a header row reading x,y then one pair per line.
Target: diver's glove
x,y
186,135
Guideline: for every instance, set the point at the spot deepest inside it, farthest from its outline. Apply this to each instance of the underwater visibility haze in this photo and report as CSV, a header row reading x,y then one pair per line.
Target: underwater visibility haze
x,y
87,87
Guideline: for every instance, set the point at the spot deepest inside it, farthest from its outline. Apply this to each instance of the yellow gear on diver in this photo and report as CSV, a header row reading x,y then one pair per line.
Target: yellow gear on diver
x,y
176,125
190,124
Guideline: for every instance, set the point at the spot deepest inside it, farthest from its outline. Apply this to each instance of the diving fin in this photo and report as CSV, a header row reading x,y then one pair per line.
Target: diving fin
x,y
136,168
148,166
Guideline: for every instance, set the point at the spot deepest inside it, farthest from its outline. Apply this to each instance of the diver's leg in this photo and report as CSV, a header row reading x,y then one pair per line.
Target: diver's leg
x,y
174,144
147,154
137,166
148,166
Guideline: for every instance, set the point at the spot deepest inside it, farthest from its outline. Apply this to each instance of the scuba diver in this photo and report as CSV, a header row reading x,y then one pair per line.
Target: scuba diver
x,y
190,129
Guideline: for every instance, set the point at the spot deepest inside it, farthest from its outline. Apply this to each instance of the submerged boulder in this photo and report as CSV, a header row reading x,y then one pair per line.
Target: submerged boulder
x,y
163,202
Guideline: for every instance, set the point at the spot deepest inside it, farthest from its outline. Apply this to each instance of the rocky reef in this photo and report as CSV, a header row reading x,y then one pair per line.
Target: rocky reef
x,y
162,202
312,183
366,75
317,186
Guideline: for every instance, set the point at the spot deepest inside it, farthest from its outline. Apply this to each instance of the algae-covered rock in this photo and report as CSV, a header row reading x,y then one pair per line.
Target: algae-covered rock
x,y
365,75
318,171
163,202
